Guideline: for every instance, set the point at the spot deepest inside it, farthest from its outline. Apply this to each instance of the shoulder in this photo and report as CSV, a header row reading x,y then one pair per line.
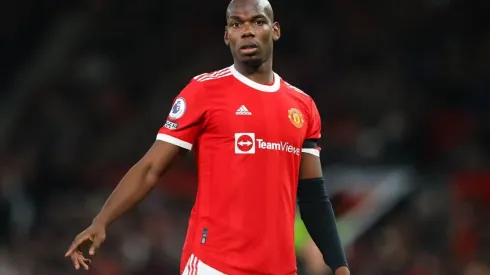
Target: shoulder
x,y
297,93
203,83
212,77
305,101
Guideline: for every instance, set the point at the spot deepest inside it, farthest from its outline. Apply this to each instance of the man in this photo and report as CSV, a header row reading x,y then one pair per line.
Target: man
x,y
254,136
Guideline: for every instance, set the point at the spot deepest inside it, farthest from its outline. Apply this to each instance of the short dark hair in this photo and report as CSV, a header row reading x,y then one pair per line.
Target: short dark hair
x,y
268,9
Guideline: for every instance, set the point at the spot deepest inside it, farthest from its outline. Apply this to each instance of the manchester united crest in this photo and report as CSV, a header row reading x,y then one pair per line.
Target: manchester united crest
x,y
296,117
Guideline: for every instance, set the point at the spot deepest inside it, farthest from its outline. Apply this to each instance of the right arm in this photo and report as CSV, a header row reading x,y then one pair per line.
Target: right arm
x,y
138,181
133,188
183,126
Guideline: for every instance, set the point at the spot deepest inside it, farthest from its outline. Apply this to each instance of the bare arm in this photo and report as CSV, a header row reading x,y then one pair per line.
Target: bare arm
x,y
133,188
138,181
176,136
310,167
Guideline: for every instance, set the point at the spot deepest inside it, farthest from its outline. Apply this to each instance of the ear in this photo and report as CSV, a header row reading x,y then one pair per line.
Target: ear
x,y
276,31
227,41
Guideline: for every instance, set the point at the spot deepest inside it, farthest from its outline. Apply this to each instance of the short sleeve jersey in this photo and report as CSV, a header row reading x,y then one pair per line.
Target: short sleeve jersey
x,y
248,140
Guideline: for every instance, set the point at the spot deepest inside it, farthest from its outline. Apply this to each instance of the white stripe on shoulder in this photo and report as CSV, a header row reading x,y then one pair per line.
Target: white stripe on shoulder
x,y
198,76
214,75
295,88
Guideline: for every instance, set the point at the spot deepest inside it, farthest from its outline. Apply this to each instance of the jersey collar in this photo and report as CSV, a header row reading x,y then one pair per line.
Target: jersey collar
x,y
261,87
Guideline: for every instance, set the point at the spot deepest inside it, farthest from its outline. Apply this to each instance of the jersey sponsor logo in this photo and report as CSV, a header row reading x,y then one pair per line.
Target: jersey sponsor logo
x,y
244,143
178,109
243,111
296,117
171,125
247,143
278,146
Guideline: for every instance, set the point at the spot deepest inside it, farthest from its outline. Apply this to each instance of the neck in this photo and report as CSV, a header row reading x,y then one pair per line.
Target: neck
x,y
261,74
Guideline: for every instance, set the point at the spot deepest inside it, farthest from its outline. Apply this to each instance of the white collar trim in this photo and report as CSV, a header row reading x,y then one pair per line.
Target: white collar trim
x,y
261,87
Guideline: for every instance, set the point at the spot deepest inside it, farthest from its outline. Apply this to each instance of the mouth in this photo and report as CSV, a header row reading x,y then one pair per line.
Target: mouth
x,y
249,48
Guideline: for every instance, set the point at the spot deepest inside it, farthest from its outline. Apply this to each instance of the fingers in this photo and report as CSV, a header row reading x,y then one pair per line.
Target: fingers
x,y
96,242
76,243
83,262
79,260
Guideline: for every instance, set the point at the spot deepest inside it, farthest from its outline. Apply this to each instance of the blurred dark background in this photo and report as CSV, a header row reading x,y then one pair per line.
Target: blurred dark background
x,y
403,87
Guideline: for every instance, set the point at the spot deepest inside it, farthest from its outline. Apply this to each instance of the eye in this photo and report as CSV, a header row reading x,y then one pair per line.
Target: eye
x,y
235,25
260,22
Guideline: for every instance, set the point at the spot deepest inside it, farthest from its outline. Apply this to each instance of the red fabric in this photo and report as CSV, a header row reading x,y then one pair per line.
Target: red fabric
x,y
247,139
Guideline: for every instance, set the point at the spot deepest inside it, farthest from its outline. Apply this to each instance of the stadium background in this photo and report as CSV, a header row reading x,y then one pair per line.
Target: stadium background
x,y
402,87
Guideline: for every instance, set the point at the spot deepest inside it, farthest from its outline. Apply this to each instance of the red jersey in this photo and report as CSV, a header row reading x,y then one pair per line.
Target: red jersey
x,y
248,139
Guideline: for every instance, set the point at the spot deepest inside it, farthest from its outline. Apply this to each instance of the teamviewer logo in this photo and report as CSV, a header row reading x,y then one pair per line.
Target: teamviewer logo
x,y
244,143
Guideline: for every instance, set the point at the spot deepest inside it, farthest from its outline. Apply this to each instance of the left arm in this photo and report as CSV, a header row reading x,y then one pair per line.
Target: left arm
x,y
314,205
318,215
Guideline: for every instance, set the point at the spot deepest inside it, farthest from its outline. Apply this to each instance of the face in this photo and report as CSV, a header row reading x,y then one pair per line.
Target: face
x,y
250,32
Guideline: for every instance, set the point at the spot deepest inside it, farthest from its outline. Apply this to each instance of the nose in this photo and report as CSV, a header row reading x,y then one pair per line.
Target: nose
x,y
248,30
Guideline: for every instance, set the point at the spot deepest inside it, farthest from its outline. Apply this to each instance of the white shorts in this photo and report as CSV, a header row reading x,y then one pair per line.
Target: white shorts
x,y
195,266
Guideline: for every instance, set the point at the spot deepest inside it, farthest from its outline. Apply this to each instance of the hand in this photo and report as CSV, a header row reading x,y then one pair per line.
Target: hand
x,y
95,234
343,270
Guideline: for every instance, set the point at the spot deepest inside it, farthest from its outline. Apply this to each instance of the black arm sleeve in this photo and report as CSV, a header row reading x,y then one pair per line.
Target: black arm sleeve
x,y
310,144
319,219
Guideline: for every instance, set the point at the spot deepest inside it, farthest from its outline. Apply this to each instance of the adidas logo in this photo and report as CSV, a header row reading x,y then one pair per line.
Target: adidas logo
x,y
243,111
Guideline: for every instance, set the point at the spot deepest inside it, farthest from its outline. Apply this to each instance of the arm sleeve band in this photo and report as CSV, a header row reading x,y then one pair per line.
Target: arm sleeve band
x,y
319,219
310,144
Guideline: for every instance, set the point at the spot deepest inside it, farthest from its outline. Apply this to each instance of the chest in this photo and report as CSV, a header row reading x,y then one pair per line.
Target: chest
x,y
273,118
